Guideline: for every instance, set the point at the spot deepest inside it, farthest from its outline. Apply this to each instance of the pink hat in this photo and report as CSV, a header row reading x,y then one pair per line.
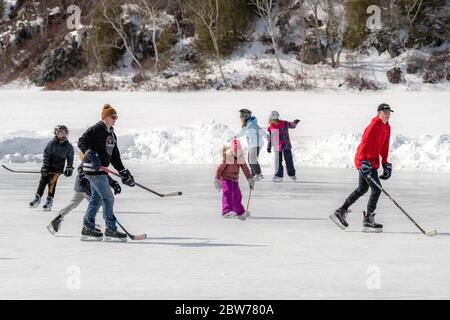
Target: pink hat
x,y
235,145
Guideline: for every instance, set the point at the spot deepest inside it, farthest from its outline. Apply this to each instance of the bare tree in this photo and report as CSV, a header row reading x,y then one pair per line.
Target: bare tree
x,y
412,10
41,10
334,29
112,13
207,11
264,9
314,6
153,13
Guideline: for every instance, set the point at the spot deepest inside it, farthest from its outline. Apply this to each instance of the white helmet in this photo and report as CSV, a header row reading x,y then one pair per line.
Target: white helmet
x,y
274,115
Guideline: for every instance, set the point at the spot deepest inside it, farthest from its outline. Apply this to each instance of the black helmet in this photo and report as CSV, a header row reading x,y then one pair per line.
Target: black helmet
x,y
59,128
246,113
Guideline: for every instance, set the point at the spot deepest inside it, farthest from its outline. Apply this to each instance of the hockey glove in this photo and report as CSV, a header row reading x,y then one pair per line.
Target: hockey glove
x,y
127,178
217,184
296,121
116,187
366,167
95,160
251,183
68,172
44,172
387,171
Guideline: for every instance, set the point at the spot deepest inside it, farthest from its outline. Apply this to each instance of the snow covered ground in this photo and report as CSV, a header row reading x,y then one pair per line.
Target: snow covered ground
x,y
189,128
288,250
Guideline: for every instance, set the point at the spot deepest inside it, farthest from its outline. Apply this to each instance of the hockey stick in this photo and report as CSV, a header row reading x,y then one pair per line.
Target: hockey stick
x,y
431,233
132,237
248,201
20,171
162,195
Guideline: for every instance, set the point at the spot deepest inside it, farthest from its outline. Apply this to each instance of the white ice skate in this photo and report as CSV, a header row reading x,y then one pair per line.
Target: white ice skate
x,y
259,177
229,215
276,179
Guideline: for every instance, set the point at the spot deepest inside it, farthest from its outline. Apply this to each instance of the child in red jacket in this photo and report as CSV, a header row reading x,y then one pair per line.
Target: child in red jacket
x,y
374,144
278,133
227,179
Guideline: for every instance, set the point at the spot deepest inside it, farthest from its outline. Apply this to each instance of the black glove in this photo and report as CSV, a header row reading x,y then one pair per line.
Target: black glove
x,y
296,121
95,160
269,149
387,171
68,172
127,178
365,169
44,172
116,187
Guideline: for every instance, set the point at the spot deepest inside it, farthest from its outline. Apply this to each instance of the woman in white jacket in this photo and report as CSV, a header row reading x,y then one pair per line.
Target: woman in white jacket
x,y
255,136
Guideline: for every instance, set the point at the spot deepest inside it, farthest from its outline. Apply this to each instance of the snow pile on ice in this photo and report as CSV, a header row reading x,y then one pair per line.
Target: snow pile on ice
x,y
201,144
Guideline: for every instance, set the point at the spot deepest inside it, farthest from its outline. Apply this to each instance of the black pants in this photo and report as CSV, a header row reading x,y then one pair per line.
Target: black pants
x,y
253,154
51,180
287,159
364,184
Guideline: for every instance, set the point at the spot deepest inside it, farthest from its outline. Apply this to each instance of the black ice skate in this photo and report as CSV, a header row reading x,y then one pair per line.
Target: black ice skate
x,y
91,234
369,224
115,236
55,225
339,217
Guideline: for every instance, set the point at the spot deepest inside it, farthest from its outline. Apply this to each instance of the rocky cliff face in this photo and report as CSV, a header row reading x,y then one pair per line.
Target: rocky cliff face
x,y
136,44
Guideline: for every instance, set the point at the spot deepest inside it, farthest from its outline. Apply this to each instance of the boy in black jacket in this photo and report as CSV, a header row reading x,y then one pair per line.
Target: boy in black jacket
x,y
57,152
99,144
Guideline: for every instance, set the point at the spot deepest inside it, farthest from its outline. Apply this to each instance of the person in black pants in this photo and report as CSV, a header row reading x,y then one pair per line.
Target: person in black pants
x,y
278,133
372,153
57,152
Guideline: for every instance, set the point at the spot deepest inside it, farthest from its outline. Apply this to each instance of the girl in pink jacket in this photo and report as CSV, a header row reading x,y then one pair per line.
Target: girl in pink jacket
x,y
227,179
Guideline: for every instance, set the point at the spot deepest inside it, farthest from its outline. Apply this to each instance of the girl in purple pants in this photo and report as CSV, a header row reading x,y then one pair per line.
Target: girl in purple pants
x,y
227,179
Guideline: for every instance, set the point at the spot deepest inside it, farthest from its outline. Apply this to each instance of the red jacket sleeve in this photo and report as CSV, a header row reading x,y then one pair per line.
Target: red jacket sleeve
x,y
367,143
246,170
385,148
220,170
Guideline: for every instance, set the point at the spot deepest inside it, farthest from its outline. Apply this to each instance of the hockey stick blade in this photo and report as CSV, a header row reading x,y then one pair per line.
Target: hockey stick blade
x,y
138,237
132,236
172,194
431,233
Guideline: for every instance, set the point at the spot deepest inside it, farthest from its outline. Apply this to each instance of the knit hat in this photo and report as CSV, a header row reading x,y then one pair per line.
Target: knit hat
x,y
108,111
235,145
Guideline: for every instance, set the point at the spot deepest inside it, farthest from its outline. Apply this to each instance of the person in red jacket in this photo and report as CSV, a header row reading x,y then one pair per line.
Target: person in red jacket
x,y
227,180
374,145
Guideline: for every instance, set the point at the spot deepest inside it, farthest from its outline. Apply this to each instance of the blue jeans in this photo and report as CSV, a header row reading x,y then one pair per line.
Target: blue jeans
x,y
101,195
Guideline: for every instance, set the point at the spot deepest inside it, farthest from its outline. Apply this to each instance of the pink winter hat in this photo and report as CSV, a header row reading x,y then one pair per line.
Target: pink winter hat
x,y
235,145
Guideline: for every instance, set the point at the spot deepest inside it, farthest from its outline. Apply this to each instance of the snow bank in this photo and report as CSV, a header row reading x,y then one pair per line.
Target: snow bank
x,y
201,144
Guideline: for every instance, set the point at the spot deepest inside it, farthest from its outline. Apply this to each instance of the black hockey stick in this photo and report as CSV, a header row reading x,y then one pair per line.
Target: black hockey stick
x,y
431,233
132,237
20,171
162,195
